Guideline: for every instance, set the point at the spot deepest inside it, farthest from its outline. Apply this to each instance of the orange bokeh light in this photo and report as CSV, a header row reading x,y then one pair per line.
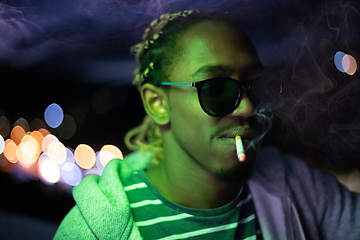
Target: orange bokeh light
x,y
10,151
44,132
109,152
349,64
17,133
28,150
85,156
38,137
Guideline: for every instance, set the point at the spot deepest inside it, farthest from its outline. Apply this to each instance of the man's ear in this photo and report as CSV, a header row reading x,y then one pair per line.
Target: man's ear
x,y
155,103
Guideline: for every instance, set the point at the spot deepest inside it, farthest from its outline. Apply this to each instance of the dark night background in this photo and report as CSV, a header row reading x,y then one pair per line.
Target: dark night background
x,y
76,54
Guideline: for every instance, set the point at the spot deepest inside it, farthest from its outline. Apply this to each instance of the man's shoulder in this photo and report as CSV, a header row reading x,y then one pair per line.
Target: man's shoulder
x,y
274,168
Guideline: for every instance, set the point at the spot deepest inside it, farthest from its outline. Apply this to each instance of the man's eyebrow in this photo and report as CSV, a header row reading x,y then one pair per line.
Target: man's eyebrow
x,y
212,69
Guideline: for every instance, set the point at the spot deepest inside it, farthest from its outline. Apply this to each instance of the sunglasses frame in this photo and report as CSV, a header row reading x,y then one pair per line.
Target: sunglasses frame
x,y
199,85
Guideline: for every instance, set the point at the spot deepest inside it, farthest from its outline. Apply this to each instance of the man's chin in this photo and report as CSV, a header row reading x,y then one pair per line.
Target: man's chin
x,y
238,173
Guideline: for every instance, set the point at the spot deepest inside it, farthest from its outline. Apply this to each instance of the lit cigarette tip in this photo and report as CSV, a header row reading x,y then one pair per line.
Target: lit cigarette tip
x,y
240,149
241,157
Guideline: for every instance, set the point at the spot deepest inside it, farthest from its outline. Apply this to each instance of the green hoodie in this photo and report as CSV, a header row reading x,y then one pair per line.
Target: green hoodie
x,y
102,209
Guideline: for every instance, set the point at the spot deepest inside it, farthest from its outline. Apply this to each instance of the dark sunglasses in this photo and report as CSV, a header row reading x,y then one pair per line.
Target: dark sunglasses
x,y
218,96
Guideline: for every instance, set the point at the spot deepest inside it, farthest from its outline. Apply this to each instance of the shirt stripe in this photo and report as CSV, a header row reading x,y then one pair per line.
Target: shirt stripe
x,y
211,230
163,219
250,238
248,219
201,232
135,186
145,203
244,201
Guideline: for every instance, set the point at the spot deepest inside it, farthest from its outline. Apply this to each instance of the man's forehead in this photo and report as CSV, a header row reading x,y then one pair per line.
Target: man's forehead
x,y
213,69
214,48
252,67
208,36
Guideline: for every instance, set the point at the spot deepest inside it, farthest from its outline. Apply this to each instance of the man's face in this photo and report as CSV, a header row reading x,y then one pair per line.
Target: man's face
x,y
211,49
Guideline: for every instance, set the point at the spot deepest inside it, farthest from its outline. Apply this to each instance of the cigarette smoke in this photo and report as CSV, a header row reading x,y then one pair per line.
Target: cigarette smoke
x,y
16,33
263,114
316,107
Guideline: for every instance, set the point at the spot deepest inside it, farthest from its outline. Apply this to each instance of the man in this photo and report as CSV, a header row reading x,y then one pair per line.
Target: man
x,y
195,76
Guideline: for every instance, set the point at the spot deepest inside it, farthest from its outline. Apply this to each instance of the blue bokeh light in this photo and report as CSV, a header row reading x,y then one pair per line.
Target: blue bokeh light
x,y
338,61
54,115
73,176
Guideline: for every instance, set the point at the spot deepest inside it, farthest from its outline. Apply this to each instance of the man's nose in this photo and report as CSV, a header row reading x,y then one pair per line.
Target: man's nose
x,y
245,109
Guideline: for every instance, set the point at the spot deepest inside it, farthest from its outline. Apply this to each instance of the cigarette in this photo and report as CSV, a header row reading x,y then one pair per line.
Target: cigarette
x,y
240,149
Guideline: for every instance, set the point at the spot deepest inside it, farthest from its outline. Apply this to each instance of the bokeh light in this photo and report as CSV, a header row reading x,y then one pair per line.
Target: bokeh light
x,y
27,152
53,115
17,133
345,63
10,151
61,156
53,149
109,152
2,144
38,137
93,171
98,164
349,64
67,128
37,123
22,123
44,132
51,145
55,161
84,156
71,176
4,126
69,161
338,61
49,171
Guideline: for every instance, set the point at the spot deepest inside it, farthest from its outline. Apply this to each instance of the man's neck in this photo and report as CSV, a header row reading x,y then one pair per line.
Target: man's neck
x,y
190,187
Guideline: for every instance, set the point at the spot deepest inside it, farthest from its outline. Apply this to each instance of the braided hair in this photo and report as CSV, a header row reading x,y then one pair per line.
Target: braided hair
x,y
156,53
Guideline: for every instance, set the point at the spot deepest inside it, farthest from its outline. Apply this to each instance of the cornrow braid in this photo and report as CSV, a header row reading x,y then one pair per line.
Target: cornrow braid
x,y
154,54
151,34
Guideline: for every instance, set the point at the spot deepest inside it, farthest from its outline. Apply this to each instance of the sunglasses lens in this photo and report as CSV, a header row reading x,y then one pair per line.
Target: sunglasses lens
x,y
219,97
